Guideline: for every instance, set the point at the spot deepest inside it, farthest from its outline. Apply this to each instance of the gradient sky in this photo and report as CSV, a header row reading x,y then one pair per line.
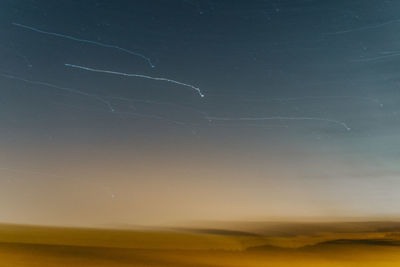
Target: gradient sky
x,y
300,115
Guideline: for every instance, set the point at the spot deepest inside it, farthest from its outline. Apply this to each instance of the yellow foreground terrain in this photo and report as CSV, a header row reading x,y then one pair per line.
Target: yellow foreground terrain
x,y
259,244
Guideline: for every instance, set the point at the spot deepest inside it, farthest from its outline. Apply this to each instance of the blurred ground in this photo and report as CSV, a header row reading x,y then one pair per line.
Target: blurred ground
x,y
333,244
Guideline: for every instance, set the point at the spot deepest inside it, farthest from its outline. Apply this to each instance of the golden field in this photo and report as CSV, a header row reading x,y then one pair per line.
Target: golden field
x,y
236,244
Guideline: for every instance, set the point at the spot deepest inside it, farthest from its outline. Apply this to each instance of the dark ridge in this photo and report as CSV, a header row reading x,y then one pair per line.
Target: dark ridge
x,y
389,229
370,242
291,229
342,242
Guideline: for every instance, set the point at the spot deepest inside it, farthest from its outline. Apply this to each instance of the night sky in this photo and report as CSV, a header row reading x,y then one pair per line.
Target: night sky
x,y
300,114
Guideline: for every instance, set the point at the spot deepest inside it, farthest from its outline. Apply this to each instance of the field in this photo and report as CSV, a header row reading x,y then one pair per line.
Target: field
x,y
240,244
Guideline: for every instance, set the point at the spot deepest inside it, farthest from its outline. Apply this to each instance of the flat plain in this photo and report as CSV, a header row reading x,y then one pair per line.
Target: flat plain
x,y
237,244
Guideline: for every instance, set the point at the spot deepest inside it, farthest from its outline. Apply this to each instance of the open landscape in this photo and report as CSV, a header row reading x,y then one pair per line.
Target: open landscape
x,y
240,244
